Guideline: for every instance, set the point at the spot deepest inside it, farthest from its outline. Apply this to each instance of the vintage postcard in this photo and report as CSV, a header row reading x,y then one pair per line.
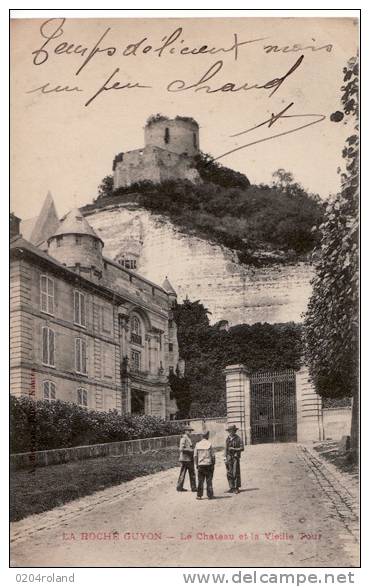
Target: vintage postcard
x,y
184,292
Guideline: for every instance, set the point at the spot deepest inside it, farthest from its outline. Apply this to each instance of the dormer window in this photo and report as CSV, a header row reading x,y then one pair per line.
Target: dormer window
x,y
127,263
167,135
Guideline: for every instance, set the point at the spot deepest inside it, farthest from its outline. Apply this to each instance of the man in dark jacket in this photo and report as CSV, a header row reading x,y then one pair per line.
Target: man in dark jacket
x,y
187,460
234,447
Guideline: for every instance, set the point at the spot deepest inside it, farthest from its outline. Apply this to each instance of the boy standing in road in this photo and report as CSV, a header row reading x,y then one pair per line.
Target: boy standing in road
x,y
204,460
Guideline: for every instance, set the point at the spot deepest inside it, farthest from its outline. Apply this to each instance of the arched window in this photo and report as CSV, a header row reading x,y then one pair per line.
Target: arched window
x,y
167,135
136,330
49,391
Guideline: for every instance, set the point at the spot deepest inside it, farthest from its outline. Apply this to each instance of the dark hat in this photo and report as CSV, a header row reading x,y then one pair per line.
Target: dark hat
x,y
231,428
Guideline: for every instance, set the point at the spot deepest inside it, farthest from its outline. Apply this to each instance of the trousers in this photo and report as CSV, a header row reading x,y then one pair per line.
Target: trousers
x,y
205,473
233,472
187,466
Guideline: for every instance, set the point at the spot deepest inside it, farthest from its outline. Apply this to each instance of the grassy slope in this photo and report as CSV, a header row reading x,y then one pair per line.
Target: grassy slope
x,y
33,492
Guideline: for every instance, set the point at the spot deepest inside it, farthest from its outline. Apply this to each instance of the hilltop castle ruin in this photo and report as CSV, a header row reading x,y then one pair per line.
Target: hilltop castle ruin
x,y
169,151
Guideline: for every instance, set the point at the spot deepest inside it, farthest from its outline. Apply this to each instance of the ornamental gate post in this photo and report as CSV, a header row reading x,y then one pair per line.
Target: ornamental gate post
x,y
238,399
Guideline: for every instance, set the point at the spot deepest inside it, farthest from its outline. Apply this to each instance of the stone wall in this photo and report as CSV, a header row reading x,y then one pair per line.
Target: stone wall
x,y
215,427
337,423
182,136
309,409
59,456
152,164
205,271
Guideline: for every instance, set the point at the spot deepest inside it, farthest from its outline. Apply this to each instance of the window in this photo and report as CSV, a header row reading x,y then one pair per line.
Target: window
x,y
80,356
130,263
136,330
78,239
107,318
171,370
170,323
170,347
48,346
135,325
82,397
195,139
49,391
59,241
47,294
135,360
167,135
127,263
79,308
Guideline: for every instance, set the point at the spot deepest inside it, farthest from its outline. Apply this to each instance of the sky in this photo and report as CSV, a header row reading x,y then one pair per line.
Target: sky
x,y
59,143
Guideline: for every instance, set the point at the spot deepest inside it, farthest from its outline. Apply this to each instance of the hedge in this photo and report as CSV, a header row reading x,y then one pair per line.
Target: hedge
x,y
40,425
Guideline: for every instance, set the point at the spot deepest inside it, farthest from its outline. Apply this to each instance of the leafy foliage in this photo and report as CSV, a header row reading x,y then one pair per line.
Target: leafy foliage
x,y
331,323
263,224
212,172
207,350
156,118
106,187
40,425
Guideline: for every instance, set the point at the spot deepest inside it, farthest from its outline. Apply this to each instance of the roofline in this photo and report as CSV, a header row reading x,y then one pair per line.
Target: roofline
x,y
29,249
134,274
78,234
44,257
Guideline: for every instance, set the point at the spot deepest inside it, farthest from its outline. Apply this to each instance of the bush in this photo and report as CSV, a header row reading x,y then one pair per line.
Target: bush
x,y
40,425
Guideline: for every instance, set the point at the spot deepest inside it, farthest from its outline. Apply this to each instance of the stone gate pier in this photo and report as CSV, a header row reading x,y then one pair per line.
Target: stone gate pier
x,y
273,406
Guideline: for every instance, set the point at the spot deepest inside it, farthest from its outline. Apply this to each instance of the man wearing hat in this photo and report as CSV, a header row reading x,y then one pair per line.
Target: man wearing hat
x,y
187,460
234,447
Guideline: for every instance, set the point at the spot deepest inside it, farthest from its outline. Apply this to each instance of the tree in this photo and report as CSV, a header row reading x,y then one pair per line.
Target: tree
x,y
207,350
105,189
331,321
282,178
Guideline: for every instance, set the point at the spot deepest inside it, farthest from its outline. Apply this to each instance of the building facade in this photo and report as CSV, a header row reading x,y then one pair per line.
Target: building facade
x,y
88,330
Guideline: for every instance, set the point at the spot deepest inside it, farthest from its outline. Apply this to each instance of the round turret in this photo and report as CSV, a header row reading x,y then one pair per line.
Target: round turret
x,y
179,135
76,244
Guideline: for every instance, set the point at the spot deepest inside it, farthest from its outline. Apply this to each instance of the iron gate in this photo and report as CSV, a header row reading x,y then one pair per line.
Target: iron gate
x,y
273,407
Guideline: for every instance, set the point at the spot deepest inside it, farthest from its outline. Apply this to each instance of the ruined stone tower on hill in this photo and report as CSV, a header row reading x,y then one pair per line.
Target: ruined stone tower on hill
x,y
168,154
151,244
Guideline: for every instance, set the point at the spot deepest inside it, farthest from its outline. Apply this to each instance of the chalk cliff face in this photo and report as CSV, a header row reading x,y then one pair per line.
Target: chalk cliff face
x,y
203,271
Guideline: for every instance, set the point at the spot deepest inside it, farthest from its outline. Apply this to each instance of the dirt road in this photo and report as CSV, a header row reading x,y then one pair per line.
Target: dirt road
x,y
282,517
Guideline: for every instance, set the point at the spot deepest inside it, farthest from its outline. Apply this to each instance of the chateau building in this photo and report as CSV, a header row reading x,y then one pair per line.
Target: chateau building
x,y
86,329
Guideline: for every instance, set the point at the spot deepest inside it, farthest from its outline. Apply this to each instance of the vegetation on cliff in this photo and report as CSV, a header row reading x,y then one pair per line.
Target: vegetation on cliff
x,y
262,223
207,350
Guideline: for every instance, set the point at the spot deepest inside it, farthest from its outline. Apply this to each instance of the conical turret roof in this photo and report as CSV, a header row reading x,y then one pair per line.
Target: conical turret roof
x,y
75,223
168,287
45,224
